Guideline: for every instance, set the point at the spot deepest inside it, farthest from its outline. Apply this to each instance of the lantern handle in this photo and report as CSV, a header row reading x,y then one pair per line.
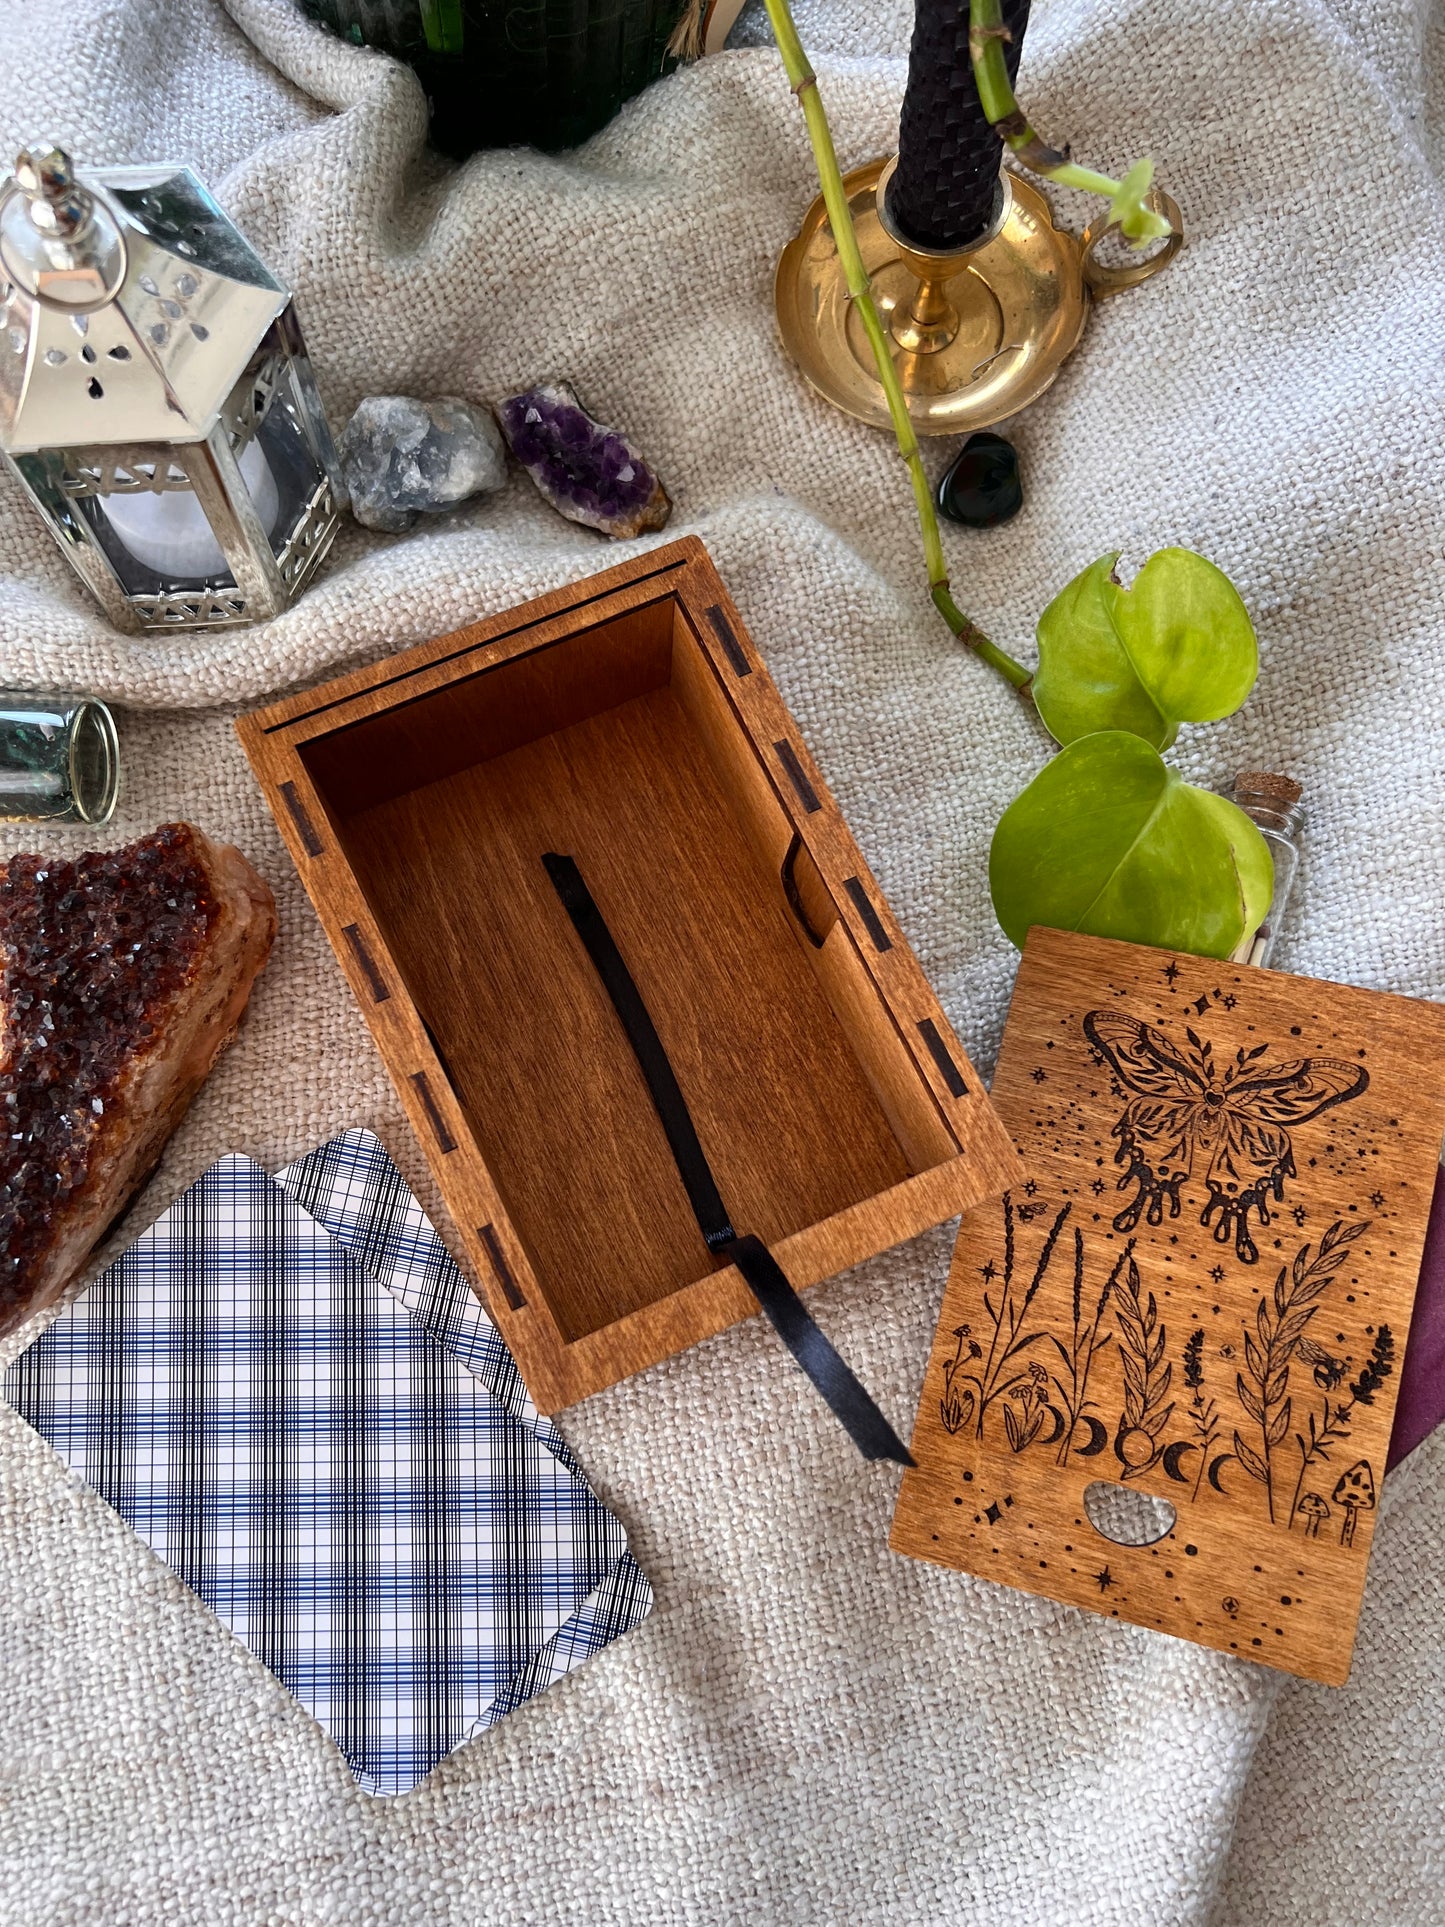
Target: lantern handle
x,y
59,241
59,206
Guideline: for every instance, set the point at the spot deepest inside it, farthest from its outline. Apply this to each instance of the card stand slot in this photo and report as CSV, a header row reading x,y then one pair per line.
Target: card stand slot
x,y
492,1244
942,1057
310,842
798,777
863,904
366,964
726,635
446,1143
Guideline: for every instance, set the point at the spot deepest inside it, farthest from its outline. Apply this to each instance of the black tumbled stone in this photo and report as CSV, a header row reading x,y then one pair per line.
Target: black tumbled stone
x,y
981,486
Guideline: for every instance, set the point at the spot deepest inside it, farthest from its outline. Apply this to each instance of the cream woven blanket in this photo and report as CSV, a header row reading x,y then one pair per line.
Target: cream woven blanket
x,y
809,1729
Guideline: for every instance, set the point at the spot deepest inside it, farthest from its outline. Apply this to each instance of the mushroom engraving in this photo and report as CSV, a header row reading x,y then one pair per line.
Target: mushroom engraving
x,y
1356,1493
1313,1510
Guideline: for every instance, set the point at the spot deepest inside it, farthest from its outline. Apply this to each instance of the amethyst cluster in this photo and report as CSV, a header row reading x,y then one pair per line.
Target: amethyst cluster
x,y
588,473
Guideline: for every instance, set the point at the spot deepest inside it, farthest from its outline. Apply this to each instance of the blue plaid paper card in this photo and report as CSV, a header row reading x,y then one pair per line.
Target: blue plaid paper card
x,y
289,1390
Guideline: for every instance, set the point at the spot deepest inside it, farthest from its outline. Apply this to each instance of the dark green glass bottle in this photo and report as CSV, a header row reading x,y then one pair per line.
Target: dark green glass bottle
x,y
508,73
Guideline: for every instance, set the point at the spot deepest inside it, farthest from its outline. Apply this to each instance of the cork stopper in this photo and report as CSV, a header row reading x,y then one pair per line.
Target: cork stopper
x,y
1283,791
1271,800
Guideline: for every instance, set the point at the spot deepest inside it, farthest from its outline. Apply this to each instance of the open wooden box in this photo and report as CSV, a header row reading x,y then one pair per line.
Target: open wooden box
x,y
628,722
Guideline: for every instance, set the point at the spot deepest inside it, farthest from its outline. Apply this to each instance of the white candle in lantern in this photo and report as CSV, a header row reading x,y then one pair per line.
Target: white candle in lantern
x,y
167,530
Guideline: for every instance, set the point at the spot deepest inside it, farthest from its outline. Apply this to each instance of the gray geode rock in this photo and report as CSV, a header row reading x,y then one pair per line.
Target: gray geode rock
x,y
402,459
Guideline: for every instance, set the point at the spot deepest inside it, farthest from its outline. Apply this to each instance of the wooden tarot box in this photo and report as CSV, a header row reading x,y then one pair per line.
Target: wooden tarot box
x,y
626,721
1165,1370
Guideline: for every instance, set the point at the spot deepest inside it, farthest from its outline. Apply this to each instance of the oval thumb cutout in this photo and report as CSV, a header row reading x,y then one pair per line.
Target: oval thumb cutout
x,y
1126,1517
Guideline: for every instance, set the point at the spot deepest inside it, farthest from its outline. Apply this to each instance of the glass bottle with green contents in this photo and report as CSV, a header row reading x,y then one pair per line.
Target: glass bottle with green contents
x,y
59,761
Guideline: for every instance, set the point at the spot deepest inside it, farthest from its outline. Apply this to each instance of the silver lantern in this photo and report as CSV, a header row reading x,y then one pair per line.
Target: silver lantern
x,y
156,399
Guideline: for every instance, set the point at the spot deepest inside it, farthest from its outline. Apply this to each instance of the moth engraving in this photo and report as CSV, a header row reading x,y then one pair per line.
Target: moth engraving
x,y
1234,1119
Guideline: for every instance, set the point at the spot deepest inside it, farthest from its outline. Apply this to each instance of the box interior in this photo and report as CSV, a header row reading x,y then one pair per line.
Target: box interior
x,y
617,746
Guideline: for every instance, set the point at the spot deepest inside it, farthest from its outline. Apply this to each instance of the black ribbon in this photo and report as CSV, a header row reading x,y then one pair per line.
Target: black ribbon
x,y
846,1397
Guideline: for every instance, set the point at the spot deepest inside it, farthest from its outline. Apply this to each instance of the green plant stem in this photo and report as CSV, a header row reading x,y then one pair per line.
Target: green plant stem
x,y
442,25
987,37
804,84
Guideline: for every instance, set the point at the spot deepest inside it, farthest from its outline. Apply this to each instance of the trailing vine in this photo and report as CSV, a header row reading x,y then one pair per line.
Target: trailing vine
x,y
804,83
1129,207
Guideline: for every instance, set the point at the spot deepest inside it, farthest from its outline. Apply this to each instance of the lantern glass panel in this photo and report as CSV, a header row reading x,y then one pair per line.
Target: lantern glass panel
x,y
277,407
147,520
145,516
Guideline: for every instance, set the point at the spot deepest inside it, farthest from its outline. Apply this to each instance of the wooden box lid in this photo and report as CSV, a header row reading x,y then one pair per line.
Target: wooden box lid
x,y
627,721
1166,1366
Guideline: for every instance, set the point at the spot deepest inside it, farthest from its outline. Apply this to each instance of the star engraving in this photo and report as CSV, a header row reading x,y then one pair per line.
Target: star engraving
x,y
1105,1579
1171,971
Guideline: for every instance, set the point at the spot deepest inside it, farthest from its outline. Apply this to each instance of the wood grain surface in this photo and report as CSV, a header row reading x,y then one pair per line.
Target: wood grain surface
x,y
1165,1370
629,723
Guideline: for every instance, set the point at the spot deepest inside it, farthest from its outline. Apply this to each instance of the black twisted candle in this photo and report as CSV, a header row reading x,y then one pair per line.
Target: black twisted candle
x,y
941,194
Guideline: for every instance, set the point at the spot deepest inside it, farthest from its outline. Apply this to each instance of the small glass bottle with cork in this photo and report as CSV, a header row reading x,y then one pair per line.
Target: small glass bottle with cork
x,y
1272,802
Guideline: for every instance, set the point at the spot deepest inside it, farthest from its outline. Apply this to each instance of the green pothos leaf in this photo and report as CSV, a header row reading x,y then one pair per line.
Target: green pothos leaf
x,y
1176,647
1109,841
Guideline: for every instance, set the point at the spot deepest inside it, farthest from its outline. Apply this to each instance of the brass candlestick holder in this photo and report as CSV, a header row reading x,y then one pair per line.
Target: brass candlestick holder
x,y
978,333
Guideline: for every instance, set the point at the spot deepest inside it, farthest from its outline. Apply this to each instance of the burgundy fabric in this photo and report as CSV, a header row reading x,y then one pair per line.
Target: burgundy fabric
x,y
1421,1405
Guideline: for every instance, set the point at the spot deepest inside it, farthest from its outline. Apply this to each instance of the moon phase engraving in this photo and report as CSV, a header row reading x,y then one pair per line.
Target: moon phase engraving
x,y
1098,1437
1215,1464
1173,1456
